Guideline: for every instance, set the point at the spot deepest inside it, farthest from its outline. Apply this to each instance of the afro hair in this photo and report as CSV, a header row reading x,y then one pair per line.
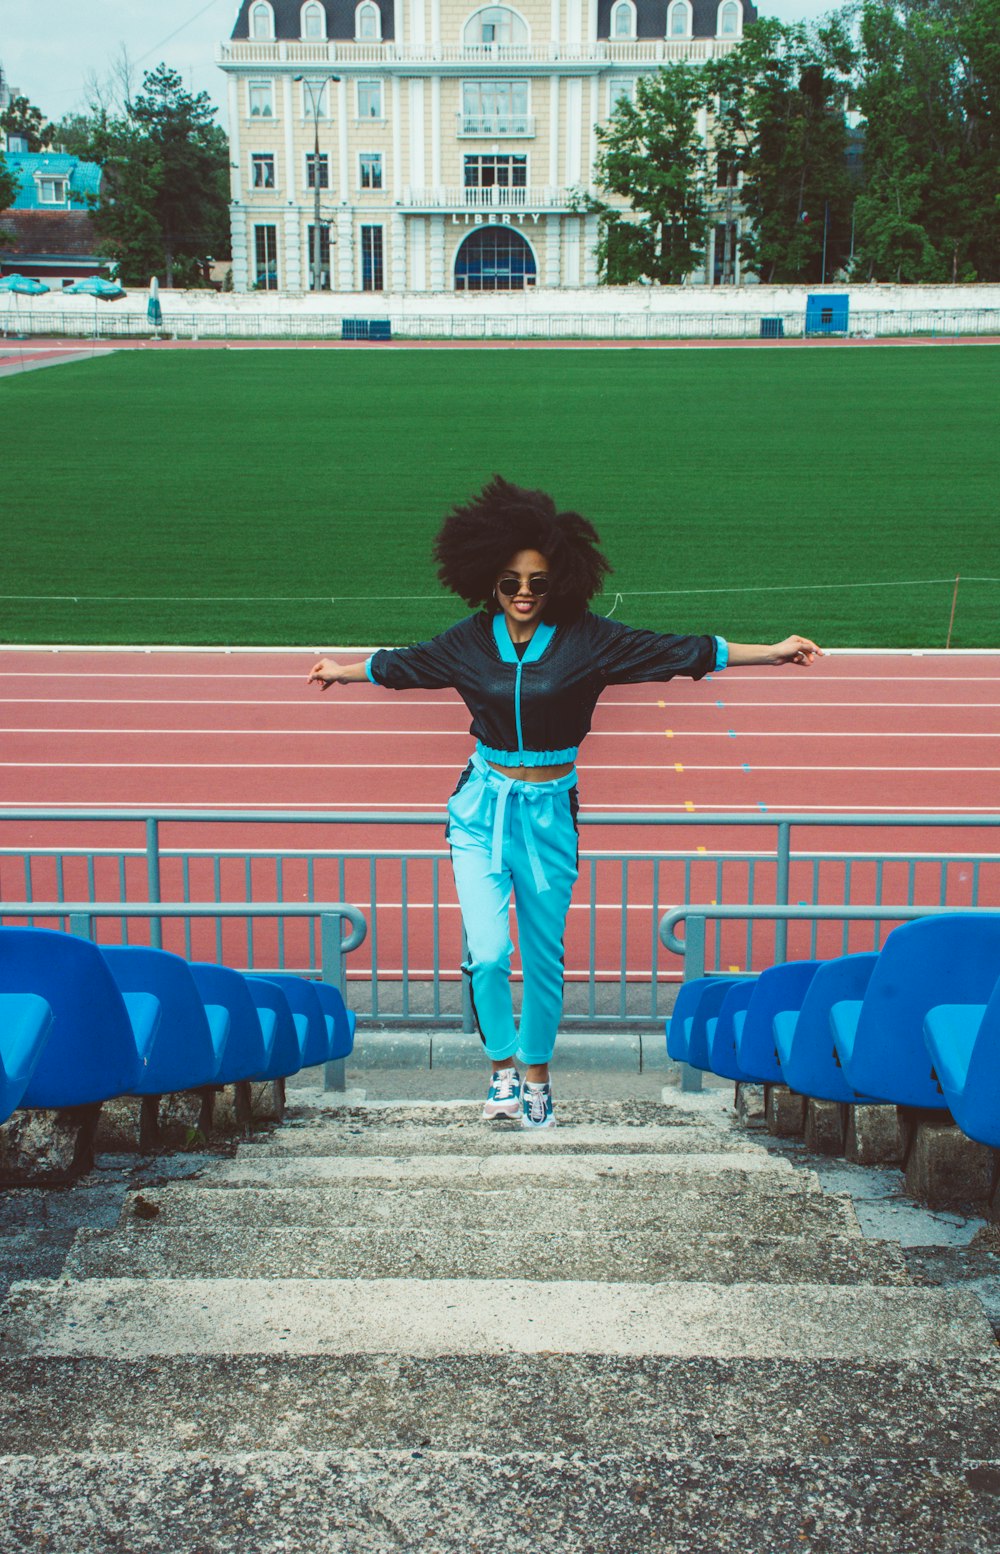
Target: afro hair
x,y
479,538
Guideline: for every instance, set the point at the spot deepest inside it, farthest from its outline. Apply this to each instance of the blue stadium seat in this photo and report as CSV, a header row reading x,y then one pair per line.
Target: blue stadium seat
x,y
91,1052
722,1030
281,1038
340,1021
963,1041
307,1012
25,1023
932,961
678,1026
709,1004
246,1051
777,989
187,1048
805,1046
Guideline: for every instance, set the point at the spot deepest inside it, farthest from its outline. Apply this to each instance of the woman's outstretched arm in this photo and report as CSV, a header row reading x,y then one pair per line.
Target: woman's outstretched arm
x,y
794,650
328,672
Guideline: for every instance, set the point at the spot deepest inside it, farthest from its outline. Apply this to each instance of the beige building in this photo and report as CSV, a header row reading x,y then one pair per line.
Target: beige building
x,y
444,139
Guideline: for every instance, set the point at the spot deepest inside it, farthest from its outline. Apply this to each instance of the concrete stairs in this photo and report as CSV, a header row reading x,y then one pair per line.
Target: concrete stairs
x,y
391,1329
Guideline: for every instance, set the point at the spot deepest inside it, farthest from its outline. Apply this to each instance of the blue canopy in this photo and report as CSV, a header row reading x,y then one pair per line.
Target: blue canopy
x,y
96,286
24,285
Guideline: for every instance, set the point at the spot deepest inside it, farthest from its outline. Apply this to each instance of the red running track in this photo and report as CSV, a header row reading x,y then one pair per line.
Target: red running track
x,y
892,734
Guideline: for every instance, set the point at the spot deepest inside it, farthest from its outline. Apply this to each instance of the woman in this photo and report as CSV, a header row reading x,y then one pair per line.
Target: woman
x,y
530,666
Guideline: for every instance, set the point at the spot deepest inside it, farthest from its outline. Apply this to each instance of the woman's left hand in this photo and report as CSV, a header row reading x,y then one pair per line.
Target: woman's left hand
x,y
796,650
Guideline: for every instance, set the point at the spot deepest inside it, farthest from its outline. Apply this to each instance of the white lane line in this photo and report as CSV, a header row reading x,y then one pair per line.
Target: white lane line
x,y
664,768
418,705
743,677
129,808
462,733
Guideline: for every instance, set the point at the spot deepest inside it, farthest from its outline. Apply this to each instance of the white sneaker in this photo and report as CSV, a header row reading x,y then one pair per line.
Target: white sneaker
x,y
536,1106
504,1096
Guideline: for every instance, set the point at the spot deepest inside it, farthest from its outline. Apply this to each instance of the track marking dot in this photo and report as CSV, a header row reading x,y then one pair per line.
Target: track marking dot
x,y
678,767
688,805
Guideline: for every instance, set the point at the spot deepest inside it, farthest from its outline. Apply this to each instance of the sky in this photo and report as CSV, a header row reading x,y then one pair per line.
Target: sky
x,y
49,49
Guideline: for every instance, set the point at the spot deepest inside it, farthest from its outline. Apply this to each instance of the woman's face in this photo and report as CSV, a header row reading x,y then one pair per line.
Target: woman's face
x,y
523,607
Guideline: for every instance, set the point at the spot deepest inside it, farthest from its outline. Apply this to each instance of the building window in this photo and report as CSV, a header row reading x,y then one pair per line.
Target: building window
x,y
368,23
730,16
324,256
496,180
725,171
18,144
265,246
315,99
262,22
724,265
51,191
313,22
261,95
495,108
623,20
620,91
494,24
322,167
262,170
679,19
370,163
371,259
494,259
369,99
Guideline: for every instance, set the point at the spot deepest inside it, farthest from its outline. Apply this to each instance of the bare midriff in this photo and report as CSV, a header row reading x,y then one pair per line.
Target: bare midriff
x,y
533,773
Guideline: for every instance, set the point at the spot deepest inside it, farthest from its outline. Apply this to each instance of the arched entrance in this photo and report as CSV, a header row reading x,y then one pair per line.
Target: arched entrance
x,y
494,259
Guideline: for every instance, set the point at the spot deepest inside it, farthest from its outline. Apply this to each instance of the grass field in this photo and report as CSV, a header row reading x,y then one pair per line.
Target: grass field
x,y
291,497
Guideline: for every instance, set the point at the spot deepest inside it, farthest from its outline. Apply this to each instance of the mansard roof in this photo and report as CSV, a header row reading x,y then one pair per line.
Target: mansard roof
x,y
651,18
339,18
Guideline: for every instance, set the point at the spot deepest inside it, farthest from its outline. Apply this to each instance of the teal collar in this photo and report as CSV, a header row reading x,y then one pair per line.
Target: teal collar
x,y
540,640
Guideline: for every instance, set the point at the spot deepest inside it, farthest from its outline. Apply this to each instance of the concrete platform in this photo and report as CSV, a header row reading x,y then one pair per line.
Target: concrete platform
x,y
149,1250
571,1502
123,1318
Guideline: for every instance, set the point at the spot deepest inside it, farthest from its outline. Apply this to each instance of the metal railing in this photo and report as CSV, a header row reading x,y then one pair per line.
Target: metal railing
x,y
617,969
603,52
129,321
696,917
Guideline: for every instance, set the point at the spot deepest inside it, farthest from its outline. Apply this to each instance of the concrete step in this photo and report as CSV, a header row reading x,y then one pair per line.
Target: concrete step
x,y
149,1250
383,1502
535,1160
741,1407
499,1137
706,1110
765,1204
128,1318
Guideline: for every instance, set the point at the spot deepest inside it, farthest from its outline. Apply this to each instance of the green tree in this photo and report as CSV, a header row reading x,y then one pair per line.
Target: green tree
x,y
21,117
929,90
779,134
164,203
652,156
8,193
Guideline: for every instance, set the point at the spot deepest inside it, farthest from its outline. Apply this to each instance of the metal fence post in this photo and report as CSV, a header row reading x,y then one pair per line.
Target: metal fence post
x,y
81,925
332,969
153,877
781,889
694,966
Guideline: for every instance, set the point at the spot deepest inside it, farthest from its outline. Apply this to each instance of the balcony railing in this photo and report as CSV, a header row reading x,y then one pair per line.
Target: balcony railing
x,y
493,198
513,126
651,51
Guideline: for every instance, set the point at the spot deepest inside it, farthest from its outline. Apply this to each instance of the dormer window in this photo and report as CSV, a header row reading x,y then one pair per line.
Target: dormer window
x,y
494,24
51,191
730,22
313,27
679,19
623,19
368,23
262,22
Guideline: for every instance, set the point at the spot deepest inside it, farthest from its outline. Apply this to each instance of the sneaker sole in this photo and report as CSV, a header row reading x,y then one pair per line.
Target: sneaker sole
x,y
536,1127
501,1109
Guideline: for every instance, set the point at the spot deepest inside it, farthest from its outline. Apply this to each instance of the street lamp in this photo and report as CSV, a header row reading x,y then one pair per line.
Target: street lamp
x,y
315,92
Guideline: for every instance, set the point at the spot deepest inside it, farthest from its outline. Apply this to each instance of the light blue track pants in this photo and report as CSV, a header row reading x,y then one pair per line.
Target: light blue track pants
x,y
508,835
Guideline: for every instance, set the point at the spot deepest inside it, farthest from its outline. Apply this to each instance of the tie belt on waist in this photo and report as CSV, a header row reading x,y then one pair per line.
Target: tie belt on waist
x,y
525,795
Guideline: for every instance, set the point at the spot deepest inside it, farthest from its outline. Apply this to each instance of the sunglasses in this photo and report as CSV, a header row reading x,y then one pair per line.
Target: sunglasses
x,y
510,587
